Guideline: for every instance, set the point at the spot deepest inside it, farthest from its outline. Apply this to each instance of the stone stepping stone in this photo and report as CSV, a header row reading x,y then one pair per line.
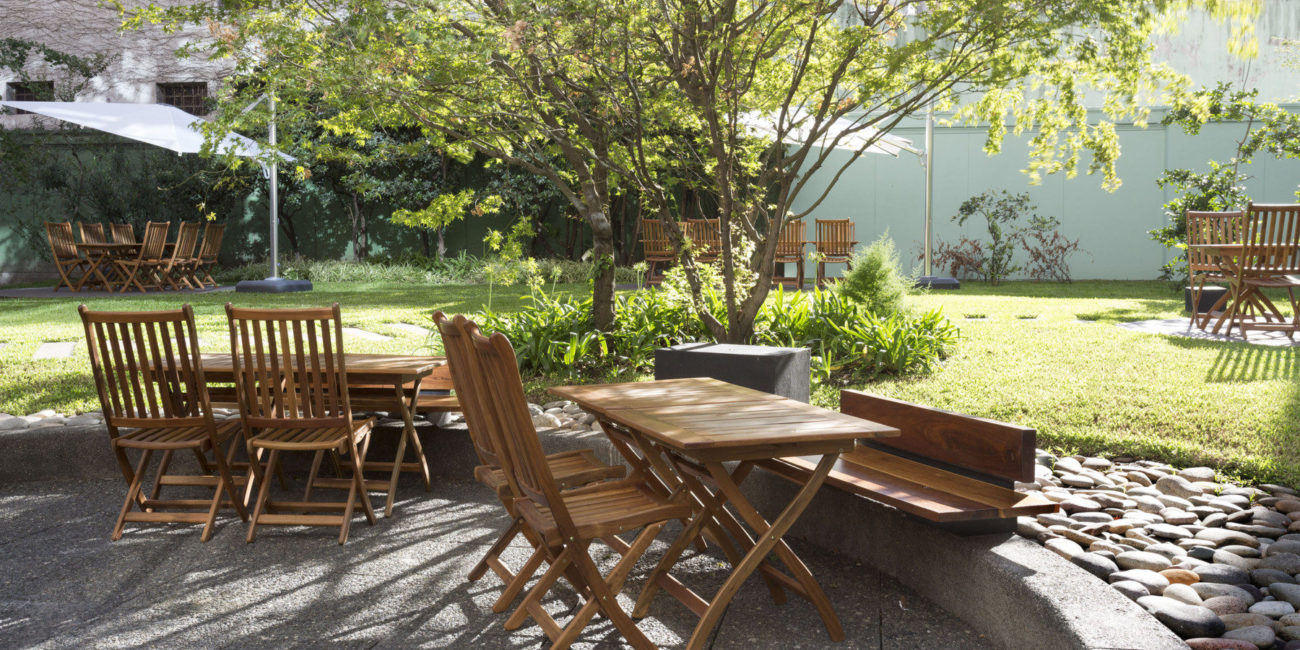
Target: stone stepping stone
x,y
59,350
409,328
363,334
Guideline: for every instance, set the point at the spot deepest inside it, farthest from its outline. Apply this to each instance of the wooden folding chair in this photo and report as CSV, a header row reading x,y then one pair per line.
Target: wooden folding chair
x,y
834,244
1207,228
92,233
568,522
789,249
1270,260
123,233
150,380
67,260
570,468
657,248
174,267
293,396
207,257
146,264
706,237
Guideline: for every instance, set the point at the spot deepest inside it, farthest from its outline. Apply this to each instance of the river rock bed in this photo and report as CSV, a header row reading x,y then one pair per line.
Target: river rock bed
x,y
1217,563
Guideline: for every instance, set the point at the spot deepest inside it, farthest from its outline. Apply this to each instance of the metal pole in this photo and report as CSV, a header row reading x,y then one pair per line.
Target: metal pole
x,y
928,161
275,202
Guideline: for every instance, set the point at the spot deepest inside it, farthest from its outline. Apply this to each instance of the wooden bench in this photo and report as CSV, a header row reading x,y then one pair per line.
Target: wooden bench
x,y
954,470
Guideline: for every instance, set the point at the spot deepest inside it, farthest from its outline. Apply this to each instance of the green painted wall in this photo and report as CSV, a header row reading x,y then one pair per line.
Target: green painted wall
x,y
881,193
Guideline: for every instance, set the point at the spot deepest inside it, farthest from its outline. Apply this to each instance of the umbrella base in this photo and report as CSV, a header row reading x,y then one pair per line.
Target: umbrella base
x,y
935,282
273,285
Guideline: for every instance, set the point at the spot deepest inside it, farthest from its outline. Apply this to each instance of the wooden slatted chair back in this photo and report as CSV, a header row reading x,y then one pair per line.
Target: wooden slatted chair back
x,y
288,367
789,245
470,384
835,238
212,235
62,246
123,233
92,233
654,240
523,447
1270,235
147,367
1210,228
187,238
706,237
996,450
155,240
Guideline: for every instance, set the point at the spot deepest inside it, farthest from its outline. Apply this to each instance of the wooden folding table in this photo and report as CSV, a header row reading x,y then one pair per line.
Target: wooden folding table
x,y
404,373
1240,295
682,431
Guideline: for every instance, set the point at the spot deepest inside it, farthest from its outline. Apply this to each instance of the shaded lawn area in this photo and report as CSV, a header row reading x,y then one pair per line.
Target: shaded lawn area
x,y
1091,387
66,385
1088,387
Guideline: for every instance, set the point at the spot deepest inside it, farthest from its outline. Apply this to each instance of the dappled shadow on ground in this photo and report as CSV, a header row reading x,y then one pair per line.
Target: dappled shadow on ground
x,y
1133,310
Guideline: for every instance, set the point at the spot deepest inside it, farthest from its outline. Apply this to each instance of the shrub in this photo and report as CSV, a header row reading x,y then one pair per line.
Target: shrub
x,y
874,279
416,268
992,260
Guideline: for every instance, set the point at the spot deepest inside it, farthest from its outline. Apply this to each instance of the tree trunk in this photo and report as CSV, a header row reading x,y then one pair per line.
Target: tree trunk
x,y
360,237
602,247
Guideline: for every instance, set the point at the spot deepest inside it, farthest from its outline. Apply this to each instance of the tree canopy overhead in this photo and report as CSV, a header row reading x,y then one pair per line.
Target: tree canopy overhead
x,y
656,96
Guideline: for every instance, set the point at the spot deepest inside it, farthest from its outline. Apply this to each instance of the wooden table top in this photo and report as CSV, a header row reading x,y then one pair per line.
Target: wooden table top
x,y
701,415
362,368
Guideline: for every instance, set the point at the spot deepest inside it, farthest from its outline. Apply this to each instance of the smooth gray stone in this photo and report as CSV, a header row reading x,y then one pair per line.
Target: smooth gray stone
x,y
1241,550
1287,562
1211,519
1197,474
1143,560
1222,573
1273,608
1027,527
1171,551
1257,531
1223,605
1095,564
1277,489
1092,517
1152,581
1282,546
1079,504
1187,621
1266,517
1231,559
1182,594
1063,547
1168,531
1177,486
1222,537
1054,519
1131,589
1269,577
1284,591
1260,635
1208,590
1068,464
1203,553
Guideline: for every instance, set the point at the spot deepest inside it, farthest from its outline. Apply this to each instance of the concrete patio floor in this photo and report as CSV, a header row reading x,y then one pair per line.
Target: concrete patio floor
x,y
397,584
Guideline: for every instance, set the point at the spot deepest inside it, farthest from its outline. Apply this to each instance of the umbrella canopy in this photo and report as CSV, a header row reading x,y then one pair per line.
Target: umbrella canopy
x,y
157,124
764,126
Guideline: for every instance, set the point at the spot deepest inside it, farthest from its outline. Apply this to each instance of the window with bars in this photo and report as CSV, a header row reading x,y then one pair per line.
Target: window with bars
x,y
189,97
30,91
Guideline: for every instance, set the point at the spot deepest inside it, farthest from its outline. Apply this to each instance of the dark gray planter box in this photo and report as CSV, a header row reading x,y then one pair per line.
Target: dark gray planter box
x,y
780,371
1209,295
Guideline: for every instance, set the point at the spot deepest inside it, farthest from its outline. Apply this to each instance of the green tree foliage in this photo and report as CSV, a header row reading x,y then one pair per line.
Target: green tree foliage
x,y
659,96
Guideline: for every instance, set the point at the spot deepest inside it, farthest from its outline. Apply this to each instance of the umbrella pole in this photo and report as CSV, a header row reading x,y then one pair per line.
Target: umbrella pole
x,y
929,280
275,204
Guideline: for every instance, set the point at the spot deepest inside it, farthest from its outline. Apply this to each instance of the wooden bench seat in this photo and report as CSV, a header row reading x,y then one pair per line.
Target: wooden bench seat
x,y
953,470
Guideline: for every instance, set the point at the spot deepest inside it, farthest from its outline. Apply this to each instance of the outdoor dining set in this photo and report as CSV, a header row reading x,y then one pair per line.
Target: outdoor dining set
x,y
833,245
1250,251
298,392
126,262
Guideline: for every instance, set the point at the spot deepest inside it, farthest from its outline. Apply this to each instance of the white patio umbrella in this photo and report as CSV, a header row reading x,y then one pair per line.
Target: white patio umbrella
x,y
162,126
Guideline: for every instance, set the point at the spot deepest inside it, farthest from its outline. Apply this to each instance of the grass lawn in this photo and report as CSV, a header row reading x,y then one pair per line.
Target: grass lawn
x,y
1089,386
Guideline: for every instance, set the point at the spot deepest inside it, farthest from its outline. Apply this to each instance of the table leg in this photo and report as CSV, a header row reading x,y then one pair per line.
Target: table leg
x,y
769,539
407,405
95,263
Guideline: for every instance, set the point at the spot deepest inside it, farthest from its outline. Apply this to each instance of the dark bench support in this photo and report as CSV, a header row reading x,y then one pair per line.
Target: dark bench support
x,y
952,470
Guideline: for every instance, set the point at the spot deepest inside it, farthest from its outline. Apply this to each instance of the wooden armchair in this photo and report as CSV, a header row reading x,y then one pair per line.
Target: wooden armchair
x,y
67,260
293,397
92,233
1207,228
706,238
207,257
146,264
149,376
566,523
834,244
1270,260
789,250
570,468
174,268
123,233
658,248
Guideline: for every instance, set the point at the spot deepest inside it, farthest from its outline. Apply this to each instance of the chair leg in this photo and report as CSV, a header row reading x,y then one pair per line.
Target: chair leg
x,y
359,461
132,492
263,492
227,484
507,536
516,586
534,597
311,477
162,471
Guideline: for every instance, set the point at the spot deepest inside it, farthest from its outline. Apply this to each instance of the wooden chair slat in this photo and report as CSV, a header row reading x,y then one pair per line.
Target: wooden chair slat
x,y
92,233
123,233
